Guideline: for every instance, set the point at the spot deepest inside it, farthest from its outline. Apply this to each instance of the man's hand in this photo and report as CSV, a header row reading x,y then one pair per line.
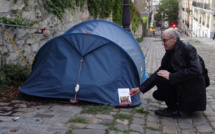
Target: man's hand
x,y
164,74
134,91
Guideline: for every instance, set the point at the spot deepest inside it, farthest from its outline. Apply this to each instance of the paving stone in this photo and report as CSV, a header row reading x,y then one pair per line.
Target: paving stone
x,y
87,115
104,116
148,131
44,115
134,133
183,125
168,121
35,127
29,119
114,132
122,127
11,124
170,129
153,125
137,127
34,132
124,122
204,128
20,105
16,101
199,119
138,121
88,131
213,124
77,125
25,109
97,126
189,131
6,118
139,115
57,129
5,108
106,121
92,120
124,112
152,118
4,104
2,113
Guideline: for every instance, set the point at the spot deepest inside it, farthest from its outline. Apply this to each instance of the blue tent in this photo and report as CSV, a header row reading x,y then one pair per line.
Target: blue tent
x,y
98,55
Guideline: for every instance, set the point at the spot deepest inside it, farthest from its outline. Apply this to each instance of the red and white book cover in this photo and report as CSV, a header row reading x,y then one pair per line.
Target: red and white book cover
x,y
124,96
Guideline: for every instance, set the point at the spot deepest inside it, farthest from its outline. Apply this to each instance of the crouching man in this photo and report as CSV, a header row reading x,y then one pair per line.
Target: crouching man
x,y
179,80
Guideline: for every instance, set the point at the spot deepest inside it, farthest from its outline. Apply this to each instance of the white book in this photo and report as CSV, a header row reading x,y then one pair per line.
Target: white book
x,y
124,96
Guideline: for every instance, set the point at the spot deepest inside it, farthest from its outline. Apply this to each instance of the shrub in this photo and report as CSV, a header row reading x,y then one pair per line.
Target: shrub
x,y
12,75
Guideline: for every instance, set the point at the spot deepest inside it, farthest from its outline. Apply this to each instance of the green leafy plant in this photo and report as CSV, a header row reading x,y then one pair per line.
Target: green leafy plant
x,y
122,117
139,39
106,8
135,17
141,110
58,7
95,109
17,21
111,126
94,7
80,3
117,12
12,75
78,120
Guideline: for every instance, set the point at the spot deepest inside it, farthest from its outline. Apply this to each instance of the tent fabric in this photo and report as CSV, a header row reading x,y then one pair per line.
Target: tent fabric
x,y
116,34
99,63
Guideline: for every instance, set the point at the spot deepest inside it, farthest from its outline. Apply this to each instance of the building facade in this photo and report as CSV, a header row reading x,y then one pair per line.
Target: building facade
x,y
197,18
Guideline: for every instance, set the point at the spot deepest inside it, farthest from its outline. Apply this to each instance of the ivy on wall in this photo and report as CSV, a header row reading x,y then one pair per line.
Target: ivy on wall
x,y
117,12
135,17
94,7
17,21
97,8
100,8
106,8
80,3
58,7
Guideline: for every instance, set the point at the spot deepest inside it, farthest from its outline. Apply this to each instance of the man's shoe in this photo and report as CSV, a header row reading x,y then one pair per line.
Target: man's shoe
x,y
168,113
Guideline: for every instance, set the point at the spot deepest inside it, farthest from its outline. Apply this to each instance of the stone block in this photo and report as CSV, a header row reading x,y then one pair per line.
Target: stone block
x,y
5,6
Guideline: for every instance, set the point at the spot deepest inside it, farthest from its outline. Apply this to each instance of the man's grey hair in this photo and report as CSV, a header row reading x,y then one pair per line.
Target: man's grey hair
x,y
174,33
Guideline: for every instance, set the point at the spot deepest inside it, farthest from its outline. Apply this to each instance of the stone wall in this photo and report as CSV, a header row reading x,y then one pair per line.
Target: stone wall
x,y
27,39
141,5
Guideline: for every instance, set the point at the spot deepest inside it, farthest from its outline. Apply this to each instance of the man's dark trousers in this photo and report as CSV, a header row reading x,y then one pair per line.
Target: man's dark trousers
x,y
166,92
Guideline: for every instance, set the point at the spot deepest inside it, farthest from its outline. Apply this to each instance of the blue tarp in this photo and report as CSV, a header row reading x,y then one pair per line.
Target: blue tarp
x,y
98,55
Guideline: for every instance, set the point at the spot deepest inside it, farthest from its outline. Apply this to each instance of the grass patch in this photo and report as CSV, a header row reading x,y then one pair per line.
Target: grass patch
x,y
196,41
193,41
78,120
141,110
111,126
97,109
139,39
70,130
123,117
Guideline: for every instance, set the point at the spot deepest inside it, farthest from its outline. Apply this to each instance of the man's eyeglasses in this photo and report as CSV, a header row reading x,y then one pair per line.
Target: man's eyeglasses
x,y
165,40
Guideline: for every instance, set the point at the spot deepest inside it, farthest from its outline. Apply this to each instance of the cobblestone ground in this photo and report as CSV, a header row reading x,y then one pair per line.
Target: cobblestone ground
x,y
25,117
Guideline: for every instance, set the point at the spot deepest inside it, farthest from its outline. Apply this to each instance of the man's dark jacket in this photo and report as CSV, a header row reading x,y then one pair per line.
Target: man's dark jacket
x,y
186,74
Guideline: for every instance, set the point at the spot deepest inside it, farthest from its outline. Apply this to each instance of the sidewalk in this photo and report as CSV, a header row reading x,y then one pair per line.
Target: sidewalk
x,y
23,117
